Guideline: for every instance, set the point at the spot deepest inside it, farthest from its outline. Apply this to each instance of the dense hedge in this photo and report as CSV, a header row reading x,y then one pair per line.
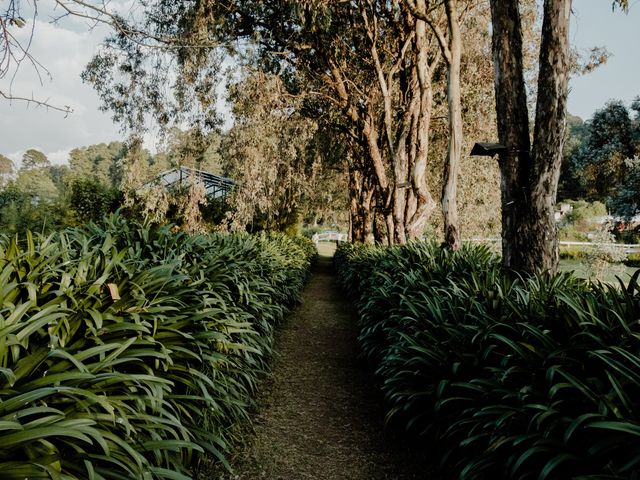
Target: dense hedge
x,y
505,377
127,351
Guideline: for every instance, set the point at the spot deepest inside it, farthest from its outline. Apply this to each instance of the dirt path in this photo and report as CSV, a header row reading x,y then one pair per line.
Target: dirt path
x,y
319,416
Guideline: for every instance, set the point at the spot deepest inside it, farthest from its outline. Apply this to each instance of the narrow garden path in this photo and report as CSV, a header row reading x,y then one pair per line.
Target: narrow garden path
x,y
319,416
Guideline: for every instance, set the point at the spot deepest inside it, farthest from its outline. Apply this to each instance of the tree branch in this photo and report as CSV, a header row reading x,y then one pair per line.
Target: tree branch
x,y
66,109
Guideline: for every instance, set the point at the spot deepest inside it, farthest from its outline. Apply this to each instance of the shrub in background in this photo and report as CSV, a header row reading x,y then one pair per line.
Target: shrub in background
x,y
605,254
581,220
91,199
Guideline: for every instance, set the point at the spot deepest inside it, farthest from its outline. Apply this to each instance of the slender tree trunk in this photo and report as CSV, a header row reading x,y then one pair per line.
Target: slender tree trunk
x,y
549,134
513,125
388,219
368,213
379,229
361,203
401,174
423,205
452,166
529,180
356,225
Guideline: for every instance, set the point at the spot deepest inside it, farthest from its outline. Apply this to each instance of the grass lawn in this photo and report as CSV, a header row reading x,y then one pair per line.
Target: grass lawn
x,y
609,274
326,249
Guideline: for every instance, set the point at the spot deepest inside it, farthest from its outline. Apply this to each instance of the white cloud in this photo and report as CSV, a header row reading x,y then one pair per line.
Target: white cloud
x,y
59,157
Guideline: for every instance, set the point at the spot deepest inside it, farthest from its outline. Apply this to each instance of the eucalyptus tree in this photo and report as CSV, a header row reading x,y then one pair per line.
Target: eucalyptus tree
x,y
6,165
193,148
6,170
451,45
370,60
398,118
266,153
161,64
102,161
530,165
33,158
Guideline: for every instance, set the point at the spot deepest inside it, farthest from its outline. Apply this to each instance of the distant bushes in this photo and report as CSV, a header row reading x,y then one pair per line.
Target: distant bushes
x,y
633,260
91,199
579,221
128,351
505,377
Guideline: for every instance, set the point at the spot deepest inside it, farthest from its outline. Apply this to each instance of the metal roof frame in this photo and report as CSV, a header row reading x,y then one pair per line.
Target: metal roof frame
x,y
215,185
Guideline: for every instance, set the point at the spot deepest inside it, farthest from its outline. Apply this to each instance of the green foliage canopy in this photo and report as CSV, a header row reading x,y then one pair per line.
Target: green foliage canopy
x,y
597,152
33,158
6,165
102,161
92,199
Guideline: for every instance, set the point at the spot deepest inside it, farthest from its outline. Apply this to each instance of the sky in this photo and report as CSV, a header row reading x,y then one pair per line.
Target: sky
x,y
65,47
595,24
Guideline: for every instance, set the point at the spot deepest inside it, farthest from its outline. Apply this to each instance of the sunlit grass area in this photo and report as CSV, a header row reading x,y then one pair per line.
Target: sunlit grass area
x,y
609,274
326,249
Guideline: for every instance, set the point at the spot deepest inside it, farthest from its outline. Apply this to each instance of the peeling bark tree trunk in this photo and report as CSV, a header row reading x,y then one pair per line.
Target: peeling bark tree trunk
x,y
356,228
361,211
529,179
397,135
452,166
451,50
420,204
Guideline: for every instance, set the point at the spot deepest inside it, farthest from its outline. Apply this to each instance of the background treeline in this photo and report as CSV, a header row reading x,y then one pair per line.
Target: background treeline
x,y
601,159
95,180
274,161
290,171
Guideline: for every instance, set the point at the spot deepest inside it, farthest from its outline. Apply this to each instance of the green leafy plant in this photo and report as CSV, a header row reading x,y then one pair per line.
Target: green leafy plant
x,y
506,377
128,351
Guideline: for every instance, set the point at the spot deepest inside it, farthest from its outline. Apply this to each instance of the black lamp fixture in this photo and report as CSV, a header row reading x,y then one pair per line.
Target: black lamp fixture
x,y
483,149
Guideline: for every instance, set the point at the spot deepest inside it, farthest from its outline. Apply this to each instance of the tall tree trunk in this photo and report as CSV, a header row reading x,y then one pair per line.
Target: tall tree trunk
x,y
401,175
380,229
549,134
452,166
356,195
423,204
361,203
356,229
388,219
530,178
368,212
513,126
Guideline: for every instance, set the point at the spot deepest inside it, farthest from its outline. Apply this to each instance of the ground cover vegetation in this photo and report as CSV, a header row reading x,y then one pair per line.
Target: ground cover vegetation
x,y
131,351
505,376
